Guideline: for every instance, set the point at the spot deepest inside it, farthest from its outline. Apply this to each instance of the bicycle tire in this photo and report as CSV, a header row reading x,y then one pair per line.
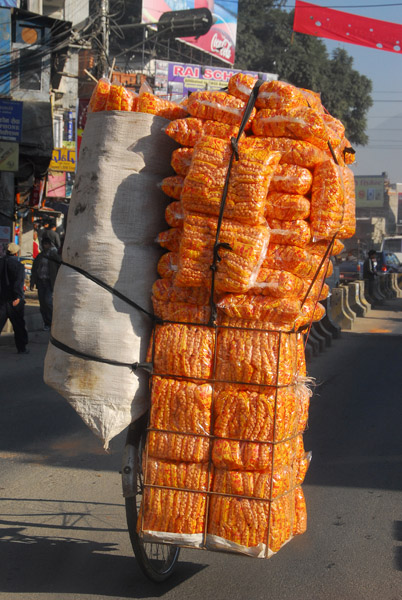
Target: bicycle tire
x,y
156,560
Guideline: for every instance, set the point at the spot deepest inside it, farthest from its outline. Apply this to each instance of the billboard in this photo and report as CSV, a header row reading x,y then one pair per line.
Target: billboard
x,y
174,80
370,191
220,41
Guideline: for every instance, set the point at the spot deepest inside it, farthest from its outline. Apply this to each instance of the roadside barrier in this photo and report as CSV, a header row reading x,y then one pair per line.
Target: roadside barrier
x,y
354,299
395,286
362,296
346,304
337,310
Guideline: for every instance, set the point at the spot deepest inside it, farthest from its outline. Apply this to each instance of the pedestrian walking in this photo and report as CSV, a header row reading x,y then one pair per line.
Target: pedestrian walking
x,y
12,296
369,274
43,275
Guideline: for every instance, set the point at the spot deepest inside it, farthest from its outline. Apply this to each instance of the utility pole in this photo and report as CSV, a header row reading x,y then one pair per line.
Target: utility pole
x,y
105,35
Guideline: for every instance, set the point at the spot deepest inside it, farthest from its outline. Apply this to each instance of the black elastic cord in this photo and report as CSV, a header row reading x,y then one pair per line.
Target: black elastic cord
x,y
235,155
107,287
133,366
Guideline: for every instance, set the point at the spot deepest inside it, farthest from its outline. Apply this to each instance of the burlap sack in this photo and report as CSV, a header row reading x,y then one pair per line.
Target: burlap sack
x,y
115,214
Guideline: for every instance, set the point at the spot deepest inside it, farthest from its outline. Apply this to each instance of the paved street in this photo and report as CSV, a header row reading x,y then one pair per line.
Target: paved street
x,y
63,534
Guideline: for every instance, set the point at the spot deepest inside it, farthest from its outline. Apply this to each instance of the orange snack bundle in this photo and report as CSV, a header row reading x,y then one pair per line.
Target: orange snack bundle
x,y
293,259
278,94
277,284
148,103
172,511
300,123
172,186
190,350
251,523
320,247
313,99
248,185
335,130
302,467
327,200
253,356
165,291
260,308
240,86
300,519
287,207
168,264
294,152
302,372
187,475
311,311
318,291
174,215
181,160
218,106
178,447
239,266
114,97
253,483
259,414
185,131
222,130
291,179
99,96
253,456
348,226
182,406
181,312
170,239
292,233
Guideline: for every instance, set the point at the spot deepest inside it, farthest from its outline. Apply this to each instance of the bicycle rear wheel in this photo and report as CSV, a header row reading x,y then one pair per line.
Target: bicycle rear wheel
x,y
156,560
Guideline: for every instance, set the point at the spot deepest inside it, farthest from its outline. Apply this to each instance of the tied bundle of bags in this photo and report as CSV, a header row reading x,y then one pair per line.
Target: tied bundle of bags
x,y
108,96
261,194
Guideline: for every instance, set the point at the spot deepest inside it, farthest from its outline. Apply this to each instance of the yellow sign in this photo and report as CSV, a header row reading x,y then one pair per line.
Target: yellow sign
x,y
9,152
369,191
63,159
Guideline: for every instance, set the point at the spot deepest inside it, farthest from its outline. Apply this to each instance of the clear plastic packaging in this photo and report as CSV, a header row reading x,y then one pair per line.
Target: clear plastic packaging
x,y
218,106
348,227
238,269
277,284
300,123
172,186
292,233
327,200
291,179
181,160
240,85
186,131
294,152
174,215
149,103
99,96
249,181
261,308
287,207
278,94
170,239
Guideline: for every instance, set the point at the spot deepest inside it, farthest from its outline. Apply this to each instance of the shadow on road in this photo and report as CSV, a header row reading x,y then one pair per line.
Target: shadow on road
x,y
33,562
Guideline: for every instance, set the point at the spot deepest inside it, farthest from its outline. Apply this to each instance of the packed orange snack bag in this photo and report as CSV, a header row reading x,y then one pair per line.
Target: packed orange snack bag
x,y
229,394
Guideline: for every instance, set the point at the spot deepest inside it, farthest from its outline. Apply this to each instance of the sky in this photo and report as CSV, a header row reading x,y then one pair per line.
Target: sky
x,y
384,122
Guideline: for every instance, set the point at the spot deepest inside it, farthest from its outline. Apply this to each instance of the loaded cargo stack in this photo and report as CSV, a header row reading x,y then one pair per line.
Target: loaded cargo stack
x,y
261,196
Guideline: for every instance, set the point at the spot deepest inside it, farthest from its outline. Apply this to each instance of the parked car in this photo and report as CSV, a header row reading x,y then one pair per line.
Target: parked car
x,y
387,262
350,268
393,244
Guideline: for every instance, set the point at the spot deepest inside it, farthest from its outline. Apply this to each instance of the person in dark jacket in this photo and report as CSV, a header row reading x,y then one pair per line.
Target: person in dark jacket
x,y
12,297
370,273
43,275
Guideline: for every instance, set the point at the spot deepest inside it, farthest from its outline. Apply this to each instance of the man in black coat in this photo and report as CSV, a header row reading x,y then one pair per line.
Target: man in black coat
x,y
12,298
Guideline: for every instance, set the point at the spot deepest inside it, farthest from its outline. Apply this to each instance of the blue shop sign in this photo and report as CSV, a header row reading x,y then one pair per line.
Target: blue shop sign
x,y
10,120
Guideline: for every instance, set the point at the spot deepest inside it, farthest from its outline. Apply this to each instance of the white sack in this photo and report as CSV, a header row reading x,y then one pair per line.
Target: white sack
x,y
115,214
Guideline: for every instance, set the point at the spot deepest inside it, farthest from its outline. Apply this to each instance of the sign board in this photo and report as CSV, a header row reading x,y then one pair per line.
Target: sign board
x,y
174,80
5,51
10,120
9,154
63,159
220,41
9,3
370,191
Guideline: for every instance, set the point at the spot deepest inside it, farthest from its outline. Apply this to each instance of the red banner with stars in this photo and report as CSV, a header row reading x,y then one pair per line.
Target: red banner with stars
x,y
345,27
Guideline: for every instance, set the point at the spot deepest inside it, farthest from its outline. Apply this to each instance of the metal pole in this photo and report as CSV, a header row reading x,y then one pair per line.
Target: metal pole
x,y
105,34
